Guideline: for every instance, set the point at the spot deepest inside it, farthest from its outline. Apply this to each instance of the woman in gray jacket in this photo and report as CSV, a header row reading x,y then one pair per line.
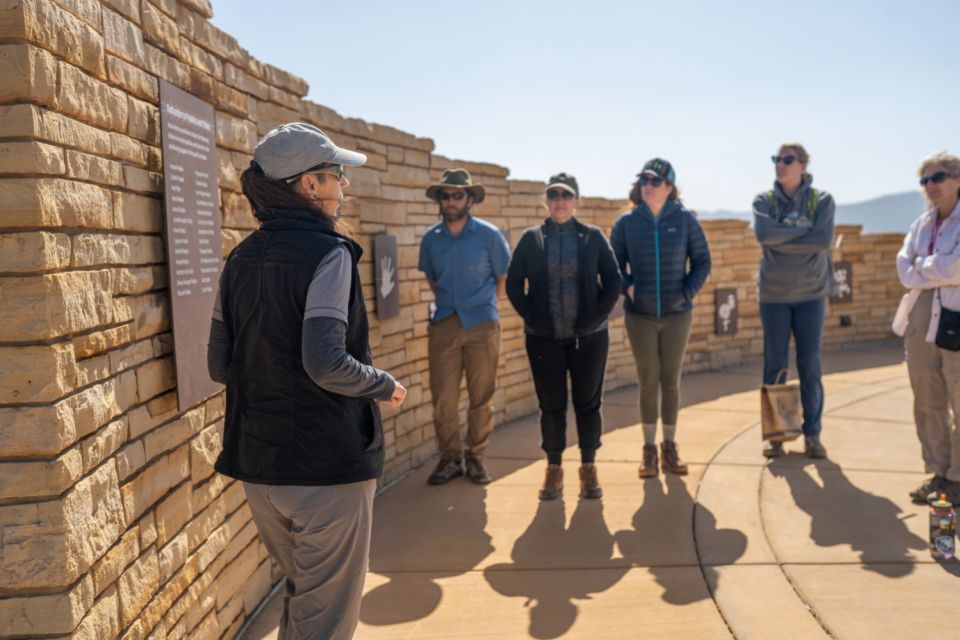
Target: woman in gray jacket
x,y
793,223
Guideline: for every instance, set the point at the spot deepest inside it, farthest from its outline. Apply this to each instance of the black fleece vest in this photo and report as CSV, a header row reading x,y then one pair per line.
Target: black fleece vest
x,y
280,427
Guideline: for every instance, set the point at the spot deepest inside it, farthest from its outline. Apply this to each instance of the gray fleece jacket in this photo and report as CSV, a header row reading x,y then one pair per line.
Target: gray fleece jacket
x,y
795,265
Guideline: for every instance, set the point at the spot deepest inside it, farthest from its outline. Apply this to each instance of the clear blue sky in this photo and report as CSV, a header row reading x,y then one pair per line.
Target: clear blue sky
x,y
598,87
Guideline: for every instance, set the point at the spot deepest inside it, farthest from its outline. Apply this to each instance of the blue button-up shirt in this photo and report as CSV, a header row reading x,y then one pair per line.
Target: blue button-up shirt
x,y
464,269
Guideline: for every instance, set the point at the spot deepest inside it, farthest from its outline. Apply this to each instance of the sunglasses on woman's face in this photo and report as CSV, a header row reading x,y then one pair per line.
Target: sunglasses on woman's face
x,y
787,160
457,195
553,194
332,169
645,180
935,178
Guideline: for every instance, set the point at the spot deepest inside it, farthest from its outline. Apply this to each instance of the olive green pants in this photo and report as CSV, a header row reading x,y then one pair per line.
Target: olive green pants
x,y
658,346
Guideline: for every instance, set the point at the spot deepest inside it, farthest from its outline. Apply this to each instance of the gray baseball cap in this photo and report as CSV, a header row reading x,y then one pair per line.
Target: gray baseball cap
x,y
297,147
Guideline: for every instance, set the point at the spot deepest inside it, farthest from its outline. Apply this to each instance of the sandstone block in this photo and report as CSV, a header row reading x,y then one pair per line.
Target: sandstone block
x,y
54,304
100,341
31,121
130,9
47,614
243,81
31,157
88,99
204,450
134,79
200,59
137,585
83,166
285,80
172,556
36,373
54,202
270,115
86,10
103,443
165,66
90,249
51,27
173,512
27,73
155,377
160,29
50,544
130,459
34,251
108,568
232,579
229,99
122,37
145,489
153,413
137,179
234,133
257,587
137,213
40,479
102,621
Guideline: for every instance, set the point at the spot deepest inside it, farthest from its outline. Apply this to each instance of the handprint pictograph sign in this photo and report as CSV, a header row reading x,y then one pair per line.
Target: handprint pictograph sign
x,y
386,278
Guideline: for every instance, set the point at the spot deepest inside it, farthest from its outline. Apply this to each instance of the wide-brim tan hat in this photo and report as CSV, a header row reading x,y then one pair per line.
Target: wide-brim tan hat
x,y
457,179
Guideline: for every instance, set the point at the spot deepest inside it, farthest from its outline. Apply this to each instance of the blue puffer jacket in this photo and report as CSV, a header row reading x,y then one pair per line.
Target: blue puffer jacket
x,y
653,251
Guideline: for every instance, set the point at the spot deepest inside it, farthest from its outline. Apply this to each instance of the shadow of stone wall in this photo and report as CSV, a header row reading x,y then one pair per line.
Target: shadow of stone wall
x,y
112,522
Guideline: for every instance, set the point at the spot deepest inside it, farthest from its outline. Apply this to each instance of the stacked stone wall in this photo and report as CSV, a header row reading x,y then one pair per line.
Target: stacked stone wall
x,y
112,521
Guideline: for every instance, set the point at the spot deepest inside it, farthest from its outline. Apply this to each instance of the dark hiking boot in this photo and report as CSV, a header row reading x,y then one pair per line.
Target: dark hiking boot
x,y
476,471
670,458
589,483
773,449
813,448
650,461
933,485
553,483
447,469
950,490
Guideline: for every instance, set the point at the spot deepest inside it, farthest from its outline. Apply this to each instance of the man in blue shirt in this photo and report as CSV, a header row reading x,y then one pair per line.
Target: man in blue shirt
x,y
465,260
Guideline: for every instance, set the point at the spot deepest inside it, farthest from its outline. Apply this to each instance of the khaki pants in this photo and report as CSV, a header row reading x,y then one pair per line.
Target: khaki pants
x,y
935,378
320,536
453,352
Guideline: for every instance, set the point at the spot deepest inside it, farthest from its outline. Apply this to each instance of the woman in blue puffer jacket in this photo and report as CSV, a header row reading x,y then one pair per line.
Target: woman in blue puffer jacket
x,y
664,260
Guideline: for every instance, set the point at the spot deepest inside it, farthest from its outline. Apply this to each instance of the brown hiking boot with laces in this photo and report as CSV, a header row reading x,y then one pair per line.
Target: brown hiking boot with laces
x,y
589,483
553,483
476,472
447,469
650,461
670,458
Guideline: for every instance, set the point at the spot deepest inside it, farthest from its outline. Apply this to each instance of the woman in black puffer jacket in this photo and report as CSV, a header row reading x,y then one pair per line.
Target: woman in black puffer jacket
x,y
664,260
564,282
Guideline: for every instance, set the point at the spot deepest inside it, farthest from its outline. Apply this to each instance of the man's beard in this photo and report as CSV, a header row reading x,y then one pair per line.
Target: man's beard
x,y
455,217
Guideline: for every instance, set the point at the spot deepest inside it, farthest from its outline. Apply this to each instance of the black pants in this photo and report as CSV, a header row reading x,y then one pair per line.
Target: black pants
x,y
586,360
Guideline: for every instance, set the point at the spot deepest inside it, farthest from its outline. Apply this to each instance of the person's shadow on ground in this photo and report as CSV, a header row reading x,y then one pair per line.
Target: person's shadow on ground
x,y
434,533
843,514
542,554
661,540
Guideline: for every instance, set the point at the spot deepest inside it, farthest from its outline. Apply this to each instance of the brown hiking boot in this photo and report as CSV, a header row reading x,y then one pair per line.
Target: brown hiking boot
x,y
476,471
553,483
447,469
650,461
589,483
670,458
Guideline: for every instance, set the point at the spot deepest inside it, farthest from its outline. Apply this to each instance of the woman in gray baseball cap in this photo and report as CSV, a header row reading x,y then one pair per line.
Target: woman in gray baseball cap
x,y
289,340
664,259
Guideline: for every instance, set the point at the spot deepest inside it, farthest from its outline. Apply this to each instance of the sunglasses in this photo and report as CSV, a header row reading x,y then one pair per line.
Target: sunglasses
x,y
331,169
554,194
645,180
443,196
936,178
787,160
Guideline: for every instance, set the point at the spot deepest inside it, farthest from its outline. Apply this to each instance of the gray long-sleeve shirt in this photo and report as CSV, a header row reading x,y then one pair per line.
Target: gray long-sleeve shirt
x,y
324,352
795,265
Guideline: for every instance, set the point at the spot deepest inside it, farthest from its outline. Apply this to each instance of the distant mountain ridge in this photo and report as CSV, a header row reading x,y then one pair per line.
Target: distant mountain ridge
x,y
890,213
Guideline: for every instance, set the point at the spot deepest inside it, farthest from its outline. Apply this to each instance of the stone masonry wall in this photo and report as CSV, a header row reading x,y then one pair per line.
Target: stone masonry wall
x,y
112,522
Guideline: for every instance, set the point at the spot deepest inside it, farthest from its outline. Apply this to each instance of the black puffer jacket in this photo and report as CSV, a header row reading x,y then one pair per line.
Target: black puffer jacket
x,y
598,280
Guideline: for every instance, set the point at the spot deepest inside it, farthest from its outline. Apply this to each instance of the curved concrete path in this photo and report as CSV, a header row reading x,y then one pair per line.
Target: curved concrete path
x,y
738,548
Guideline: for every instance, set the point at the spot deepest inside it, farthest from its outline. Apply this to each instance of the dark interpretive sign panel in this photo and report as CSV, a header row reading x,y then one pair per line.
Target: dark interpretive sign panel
x,y
388,289
191,181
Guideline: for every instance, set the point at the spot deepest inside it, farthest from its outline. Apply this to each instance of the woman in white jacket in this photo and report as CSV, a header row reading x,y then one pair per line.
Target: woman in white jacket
x,y
929,265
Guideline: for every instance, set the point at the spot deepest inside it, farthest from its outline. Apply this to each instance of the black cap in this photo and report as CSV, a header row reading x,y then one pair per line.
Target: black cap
x,y
661,169
564,181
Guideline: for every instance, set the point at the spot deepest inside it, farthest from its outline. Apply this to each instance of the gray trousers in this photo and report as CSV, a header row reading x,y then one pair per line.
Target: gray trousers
x,y
320,536
935,378
658,346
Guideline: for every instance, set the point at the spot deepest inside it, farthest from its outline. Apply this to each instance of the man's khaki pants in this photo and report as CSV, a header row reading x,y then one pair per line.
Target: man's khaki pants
x,y
453,352
935,378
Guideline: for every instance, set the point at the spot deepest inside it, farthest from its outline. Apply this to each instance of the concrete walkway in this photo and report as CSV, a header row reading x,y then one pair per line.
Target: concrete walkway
x,y
738,548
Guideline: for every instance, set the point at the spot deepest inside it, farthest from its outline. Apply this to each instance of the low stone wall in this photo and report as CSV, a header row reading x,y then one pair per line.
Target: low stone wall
x,y
112,522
